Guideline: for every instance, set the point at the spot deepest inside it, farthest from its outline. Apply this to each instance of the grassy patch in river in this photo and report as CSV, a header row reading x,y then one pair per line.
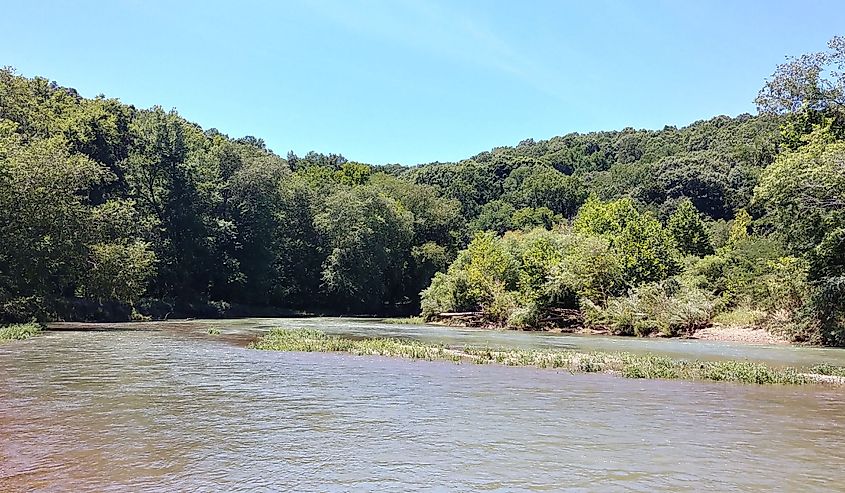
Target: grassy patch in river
x,y
19,332
829,370
628,365
404,321
310,340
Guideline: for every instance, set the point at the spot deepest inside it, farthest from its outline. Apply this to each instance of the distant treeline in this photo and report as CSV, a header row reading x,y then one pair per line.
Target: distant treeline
x,y
109,204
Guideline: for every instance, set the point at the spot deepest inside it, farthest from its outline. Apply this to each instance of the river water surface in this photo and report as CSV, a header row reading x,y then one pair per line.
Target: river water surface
x,y
178,410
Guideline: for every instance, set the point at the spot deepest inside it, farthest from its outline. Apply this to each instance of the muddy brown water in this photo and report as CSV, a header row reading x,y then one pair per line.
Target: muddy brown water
x,y
174,409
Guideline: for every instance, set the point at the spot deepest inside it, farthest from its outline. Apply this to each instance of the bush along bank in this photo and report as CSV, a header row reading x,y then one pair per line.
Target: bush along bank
x,y
624,364
620,270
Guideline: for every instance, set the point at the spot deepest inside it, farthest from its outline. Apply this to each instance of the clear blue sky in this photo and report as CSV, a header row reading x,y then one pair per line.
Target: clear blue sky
x,y
414,81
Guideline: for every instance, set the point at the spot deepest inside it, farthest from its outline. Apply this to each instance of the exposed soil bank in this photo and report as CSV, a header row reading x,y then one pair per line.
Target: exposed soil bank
x,y
743,334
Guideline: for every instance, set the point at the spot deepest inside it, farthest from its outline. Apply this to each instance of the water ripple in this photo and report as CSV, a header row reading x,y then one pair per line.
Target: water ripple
x,y
165,411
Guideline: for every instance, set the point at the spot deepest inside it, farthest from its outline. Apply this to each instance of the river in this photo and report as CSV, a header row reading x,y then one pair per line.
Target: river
x,y
175,409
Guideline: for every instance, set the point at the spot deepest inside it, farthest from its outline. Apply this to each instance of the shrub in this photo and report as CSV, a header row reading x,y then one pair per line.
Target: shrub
x,y
448,292
740,316
619,316
502,304
591,269
23,308
824,318
524,317
668,308
751,271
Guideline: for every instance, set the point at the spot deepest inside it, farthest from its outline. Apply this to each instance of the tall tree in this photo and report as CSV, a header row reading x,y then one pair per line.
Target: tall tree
x,y
368,237
689,231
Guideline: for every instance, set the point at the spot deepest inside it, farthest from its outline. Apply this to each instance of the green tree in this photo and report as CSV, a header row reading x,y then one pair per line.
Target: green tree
x,y
368,237
45,219
814,81
538,253
255,202
353,173
689,231
739,230
494,216
645,248
804,190
438,230
529,218
490,266
804,194
117,272
543,186
591,269
604,218
647,251
810,91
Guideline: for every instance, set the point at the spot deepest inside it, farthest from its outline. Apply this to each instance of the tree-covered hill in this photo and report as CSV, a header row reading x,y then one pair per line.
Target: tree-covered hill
x,y
714,162
109,203
105,204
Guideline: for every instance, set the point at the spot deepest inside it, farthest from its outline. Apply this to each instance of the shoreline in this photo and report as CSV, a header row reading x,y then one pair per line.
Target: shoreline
x,y
740,334
745,335
620,363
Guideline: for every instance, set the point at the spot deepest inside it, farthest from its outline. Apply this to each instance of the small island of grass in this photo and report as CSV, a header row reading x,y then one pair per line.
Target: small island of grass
x,y
624,364
19,332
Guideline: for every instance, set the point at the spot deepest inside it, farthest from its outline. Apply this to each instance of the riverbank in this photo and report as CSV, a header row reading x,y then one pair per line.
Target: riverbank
x,y
82,310
619,363
743,334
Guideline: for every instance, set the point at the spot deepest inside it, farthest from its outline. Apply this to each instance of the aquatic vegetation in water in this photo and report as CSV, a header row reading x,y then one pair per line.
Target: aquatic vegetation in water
x,y
625,364
828,369
19,332
310,340
214,331
404,321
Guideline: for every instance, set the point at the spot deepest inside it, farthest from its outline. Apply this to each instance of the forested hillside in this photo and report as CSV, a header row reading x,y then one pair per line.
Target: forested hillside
x,y
110,203
106,205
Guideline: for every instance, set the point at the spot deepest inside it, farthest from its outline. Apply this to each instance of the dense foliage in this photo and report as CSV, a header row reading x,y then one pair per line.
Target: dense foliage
x,y
104,202
641,231
741,216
